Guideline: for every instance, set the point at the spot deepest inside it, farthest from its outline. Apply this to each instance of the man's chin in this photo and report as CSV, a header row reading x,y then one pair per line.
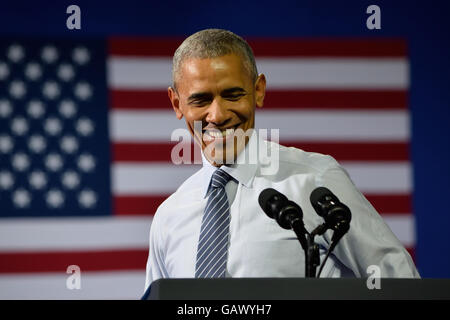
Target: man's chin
x,y
220,157
224,152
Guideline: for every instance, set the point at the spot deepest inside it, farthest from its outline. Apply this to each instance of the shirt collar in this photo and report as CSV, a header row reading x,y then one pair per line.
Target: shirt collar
x,y
244,168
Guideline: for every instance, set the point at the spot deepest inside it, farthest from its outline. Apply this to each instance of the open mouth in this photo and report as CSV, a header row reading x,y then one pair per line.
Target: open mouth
x,y
216,134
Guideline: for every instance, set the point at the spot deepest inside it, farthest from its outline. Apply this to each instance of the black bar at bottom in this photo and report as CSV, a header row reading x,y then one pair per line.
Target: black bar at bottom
x,y
298,289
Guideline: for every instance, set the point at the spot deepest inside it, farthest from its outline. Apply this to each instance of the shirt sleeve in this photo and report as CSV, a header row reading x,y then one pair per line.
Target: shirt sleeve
x,y
369,241
155,264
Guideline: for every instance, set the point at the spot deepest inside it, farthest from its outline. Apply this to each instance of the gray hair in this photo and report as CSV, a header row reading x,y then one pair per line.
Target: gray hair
x,y
213,43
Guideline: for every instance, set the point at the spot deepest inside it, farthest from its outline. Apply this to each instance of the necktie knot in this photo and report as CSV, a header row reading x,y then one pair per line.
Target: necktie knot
x,y
219,179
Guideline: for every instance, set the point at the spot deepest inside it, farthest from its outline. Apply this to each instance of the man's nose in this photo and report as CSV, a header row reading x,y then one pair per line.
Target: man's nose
x,y
217,112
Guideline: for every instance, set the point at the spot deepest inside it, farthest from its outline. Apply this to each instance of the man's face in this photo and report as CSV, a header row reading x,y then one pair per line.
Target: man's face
x,y
219,93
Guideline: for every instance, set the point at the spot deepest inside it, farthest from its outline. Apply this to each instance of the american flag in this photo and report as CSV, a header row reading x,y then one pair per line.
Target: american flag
x,y
85,147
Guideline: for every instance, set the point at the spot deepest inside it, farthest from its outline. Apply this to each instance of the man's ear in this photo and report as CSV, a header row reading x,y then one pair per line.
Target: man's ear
x,y
175,100
260,90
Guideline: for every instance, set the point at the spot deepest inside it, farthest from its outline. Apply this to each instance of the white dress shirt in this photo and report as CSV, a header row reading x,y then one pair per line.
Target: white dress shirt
x,y
258,246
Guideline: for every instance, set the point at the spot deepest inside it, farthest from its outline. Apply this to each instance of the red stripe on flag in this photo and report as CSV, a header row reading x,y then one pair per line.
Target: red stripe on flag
x,y
147,204
279,99
105,260
143,152
139,99
336,99
289,47
33,262
143,46
342,151
356,151
137,205
391,203
412,253
329,47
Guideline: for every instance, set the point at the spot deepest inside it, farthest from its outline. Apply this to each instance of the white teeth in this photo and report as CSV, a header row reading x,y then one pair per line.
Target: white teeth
x,y
220,134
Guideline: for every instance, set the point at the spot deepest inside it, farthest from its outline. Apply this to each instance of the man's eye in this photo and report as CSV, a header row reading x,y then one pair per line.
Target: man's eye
x,y
198,102
233,97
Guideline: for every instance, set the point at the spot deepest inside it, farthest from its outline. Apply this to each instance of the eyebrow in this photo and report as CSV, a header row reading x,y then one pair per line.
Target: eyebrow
x,y
208,95
233,90
200,96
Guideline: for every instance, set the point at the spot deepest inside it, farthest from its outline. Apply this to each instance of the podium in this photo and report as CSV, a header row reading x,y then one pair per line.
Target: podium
x,y
298,289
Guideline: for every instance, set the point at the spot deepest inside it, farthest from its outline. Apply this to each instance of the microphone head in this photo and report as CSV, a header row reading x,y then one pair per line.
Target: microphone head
x,y
319,198
271,201
290,211
336,214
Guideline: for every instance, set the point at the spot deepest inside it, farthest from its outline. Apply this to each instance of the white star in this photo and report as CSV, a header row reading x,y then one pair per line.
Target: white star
x,y
86,162
4,71
81,55
17,89
51,90
5,108
6,144
19,126
49,54
54,198
83,90
53,162
20,161
37,180
21,198
66,72
67,108
15,53
33,71
6,180
37,143
69,144
35,109
52,126
70,179
84,126
87,198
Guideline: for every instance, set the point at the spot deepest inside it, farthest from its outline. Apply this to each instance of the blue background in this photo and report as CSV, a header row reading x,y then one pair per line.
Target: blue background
x,y
96,145
424,23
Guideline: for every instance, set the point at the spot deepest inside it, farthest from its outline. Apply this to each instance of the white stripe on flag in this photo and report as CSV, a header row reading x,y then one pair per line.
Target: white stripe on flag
x,y
330,73
403,226
94,285
307,125
163,178
64,234
337,73
155,178
380,177
82,234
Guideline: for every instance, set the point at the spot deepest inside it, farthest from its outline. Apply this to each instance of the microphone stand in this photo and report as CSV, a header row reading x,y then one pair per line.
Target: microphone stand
x,y
312,255
311,249
304,238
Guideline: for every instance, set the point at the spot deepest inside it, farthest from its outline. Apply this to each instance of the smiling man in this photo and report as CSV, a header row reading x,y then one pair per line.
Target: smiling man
x,y
220,89
213,226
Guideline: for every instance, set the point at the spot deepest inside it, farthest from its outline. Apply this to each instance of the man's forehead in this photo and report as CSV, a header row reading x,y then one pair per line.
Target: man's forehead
x,y
198,73
197,66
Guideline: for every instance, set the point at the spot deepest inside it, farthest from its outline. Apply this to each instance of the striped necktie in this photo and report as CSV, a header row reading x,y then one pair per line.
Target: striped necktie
x,y
213,242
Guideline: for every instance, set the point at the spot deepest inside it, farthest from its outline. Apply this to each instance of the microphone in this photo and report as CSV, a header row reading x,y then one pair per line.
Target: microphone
x,y
337,215
287,213
277,206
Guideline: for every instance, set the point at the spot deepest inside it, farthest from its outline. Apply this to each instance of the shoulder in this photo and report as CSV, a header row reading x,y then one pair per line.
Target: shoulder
x,y
294,160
